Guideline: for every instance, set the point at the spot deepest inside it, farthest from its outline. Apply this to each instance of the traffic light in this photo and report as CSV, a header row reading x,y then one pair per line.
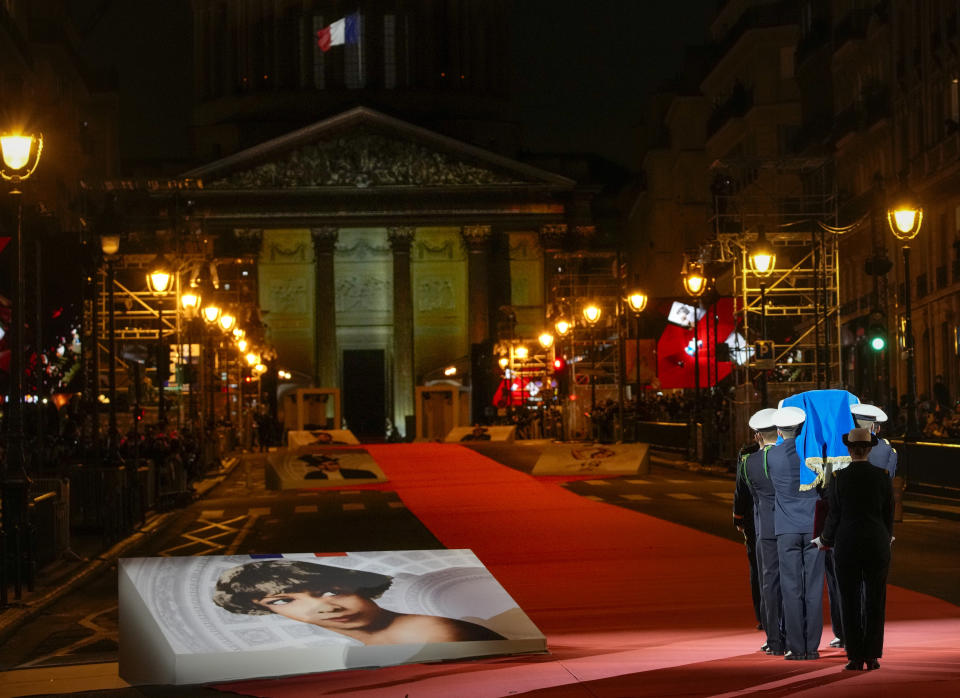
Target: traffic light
x,y
561,373
877,337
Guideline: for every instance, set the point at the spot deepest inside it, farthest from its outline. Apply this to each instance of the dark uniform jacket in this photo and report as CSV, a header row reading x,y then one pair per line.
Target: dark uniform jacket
x,y
743,504
794,509
860,518
884,456
761,487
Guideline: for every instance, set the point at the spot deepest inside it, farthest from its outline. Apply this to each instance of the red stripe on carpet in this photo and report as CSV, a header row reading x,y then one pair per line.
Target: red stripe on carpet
x,y
631,605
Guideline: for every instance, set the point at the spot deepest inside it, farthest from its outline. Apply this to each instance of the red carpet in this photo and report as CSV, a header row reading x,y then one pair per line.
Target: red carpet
x,y
631,605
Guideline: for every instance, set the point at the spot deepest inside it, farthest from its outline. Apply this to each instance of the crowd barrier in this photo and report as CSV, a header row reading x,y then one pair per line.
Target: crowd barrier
x,y
929,467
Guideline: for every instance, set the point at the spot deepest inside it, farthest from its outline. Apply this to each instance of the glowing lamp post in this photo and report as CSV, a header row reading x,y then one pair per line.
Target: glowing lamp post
x,y
110,246
762,261
695,283
637,302
905,216
19,157
159,280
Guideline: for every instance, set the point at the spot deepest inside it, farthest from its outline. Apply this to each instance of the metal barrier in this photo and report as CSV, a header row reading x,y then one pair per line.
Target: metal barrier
x,y
674,436
50,518
930,467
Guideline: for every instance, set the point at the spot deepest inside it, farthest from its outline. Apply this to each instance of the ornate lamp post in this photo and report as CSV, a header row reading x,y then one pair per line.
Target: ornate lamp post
x,y
110,246
227,322
763,261
592,313
190,307
695,283
19,157
159,281
905,216
637,302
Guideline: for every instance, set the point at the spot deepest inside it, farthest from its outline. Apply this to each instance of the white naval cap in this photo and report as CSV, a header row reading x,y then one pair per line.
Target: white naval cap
x,y
762,419
789,416
868,412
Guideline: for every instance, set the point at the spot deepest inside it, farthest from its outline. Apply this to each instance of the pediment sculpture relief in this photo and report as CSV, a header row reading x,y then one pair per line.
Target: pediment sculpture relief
x,y
362,160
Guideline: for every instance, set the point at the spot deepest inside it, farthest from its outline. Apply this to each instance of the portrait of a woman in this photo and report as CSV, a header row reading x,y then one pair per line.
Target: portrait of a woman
x,y
337,599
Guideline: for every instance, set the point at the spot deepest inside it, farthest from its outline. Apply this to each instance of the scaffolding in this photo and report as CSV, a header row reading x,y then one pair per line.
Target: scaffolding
x,y
797,305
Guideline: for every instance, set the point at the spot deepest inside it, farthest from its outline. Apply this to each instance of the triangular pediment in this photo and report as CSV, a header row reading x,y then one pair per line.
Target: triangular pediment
x,y
364,149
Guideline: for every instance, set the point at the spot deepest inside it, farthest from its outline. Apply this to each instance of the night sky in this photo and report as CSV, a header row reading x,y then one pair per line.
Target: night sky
x,y
583,69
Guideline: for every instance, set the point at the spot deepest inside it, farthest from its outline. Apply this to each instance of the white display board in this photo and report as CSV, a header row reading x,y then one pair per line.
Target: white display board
x,y
186,620
321,437
479,434
586,458
307,467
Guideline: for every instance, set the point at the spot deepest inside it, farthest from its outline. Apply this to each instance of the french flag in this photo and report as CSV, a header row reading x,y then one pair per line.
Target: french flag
x,y
345,30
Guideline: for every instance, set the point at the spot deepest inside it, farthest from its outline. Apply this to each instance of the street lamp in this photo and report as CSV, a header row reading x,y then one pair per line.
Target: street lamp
x,y
19,157
545,339
190,305
110,246
159,280
637,302
592,313
762,261
695,283
905,216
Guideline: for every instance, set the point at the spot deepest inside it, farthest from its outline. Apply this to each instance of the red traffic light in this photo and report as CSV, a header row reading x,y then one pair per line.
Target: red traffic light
x,y
559,363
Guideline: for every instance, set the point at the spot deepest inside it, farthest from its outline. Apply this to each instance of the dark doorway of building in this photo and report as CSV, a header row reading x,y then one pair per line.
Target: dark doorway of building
x,y
364,393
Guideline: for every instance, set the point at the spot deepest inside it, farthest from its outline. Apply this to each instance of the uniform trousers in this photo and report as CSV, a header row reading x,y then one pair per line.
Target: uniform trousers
x,y
833,593
863,597
801,586
750,541
770,591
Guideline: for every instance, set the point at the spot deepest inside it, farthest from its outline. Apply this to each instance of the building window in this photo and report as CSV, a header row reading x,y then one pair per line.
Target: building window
x,y
389,51
921,285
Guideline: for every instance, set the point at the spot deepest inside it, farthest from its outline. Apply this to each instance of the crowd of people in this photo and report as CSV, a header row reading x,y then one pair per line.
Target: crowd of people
x,y
835,527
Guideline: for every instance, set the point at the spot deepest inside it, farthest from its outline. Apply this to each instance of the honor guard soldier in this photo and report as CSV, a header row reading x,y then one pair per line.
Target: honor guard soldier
x,y
801,562
870,417
754,472
743,521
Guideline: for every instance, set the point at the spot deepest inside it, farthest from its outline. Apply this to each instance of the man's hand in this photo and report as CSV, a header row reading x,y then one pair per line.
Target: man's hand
x,y
819,543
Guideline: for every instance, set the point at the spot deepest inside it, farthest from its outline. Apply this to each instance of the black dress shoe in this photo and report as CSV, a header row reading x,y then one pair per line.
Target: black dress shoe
x,y
794,655
854,665
836,642
778,653
872,664
764,647
812,655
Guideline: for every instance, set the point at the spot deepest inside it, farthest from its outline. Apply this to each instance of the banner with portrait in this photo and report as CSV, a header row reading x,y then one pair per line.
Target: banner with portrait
x,y
187,620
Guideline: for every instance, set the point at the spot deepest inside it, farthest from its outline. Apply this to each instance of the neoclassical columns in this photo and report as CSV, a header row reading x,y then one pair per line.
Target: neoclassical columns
x,y
477,240
401,240
325,354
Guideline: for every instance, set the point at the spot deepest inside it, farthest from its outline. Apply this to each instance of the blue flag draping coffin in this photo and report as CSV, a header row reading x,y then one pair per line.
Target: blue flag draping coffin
x,y
821,439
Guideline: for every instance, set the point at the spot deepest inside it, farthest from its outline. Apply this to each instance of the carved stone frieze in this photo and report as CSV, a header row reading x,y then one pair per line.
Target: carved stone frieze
x,y
442,251
363,292
525,246
363,249
361,159
436,294
294,254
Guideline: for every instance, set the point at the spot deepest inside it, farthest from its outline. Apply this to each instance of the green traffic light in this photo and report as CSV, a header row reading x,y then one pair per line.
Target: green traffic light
x,y
878,343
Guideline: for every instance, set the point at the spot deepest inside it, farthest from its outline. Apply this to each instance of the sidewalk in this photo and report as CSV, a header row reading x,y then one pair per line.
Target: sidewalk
x,y
87,556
